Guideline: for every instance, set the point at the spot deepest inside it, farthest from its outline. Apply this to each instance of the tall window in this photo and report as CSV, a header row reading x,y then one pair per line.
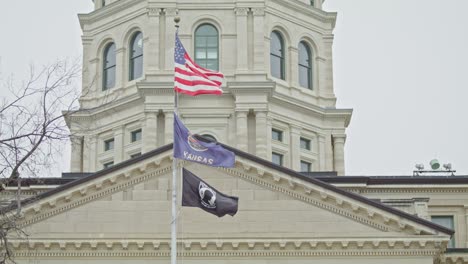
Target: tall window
x,y
136,56
445,221
108,73
305,65
277,55
207,47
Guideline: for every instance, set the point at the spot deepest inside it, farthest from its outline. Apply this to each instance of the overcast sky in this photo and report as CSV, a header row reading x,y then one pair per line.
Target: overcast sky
x,y
401,65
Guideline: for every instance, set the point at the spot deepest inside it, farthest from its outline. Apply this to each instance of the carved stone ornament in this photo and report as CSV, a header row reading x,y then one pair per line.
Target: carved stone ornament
x,y
258,11
241,11
171,11
153,11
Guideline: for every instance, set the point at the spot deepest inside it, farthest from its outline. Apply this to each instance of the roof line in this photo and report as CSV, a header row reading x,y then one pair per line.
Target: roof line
x,y
247,156
340,191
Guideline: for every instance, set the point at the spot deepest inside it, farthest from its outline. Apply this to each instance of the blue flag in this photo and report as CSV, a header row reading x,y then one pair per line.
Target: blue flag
x,y
188,147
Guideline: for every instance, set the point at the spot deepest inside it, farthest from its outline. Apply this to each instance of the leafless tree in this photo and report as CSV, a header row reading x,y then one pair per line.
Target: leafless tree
x,y
32,129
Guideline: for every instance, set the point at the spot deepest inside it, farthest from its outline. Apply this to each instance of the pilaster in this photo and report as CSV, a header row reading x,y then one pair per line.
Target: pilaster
x,y
76,164
170,13
326,88
118,144
120,77
295,134
151,46
258,41
241,26
294,66
261,134
89,153
241,130
322,150
168,127
150,129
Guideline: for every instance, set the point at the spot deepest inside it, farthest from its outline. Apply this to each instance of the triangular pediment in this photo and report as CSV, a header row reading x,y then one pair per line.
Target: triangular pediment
x,y
132,201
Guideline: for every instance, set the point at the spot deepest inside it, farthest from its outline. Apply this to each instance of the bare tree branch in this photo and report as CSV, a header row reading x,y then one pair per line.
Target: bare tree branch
x,y
32,125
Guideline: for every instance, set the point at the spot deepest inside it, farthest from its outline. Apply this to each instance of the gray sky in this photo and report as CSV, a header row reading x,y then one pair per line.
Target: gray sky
x,y
402,65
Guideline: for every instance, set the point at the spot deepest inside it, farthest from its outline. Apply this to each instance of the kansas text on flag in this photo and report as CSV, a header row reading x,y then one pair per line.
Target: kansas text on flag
x,y
188,147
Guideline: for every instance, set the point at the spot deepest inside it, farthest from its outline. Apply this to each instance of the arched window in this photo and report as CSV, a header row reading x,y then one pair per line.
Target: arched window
x,y
277,55
136,56
108,72
207,47
305,65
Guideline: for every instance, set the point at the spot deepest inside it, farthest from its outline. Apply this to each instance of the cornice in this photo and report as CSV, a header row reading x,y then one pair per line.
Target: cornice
x,y
454,258
320,15
107,11
308,108
227,247
322,198
96,112
238,88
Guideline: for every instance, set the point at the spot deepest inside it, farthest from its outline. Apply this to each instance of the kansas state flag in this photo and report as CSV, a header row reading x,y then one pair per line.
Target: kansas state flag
x,y
188,147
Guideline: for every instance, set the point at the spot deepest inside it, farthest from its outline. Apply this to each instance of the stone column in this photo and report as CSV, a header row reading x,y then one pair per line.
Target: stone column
x,y
259,35
241,130
76,163
268,137
169,38
326,86
168,127
151,43
118,144
294,66
242,49
261,129
150,136
321,152
338,153
120,67
295,148
89,153
465,225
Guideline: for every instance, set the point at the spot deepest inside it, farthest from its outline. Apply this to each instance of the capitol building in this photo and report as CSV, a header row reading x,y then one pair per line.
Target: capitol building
x,y
277,114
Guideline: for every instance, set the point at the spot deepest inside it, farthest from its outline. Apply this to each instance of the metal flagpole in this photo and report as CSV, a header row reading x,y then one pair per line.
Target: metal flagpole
x,y
174,180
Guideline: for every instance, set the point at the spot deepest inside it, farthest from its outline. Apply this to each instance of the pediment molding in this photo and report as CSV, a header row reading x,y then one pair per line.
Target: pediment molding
x,y
95,190
320,197
228,247
256,173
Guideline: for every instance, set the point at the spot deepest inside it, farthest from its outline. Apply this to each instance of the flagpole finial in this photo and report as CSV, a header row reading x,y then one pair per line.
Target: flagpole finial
x,y
177,20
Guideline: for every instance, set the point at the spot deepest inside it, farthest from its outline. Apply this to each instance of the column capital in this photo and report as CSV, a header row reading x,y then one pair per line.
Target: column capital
x,y
242,112
258,11
241,11
339,138
171,11
118,130
295,129
153,11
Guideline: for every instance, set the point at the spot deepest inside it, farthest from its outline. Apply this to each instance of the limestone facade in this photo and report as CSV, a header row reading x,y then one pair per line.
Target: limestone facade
x,y
253,104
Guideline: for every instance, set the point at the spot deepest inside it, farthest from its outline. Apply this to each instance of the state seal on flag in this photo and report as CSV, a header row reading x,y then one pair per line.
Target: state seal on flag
x,y
195,144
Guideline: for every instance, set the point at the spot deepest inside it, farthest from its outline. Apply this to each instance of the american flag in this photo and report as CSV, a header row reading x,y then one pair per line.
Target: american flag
x,y
191,79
